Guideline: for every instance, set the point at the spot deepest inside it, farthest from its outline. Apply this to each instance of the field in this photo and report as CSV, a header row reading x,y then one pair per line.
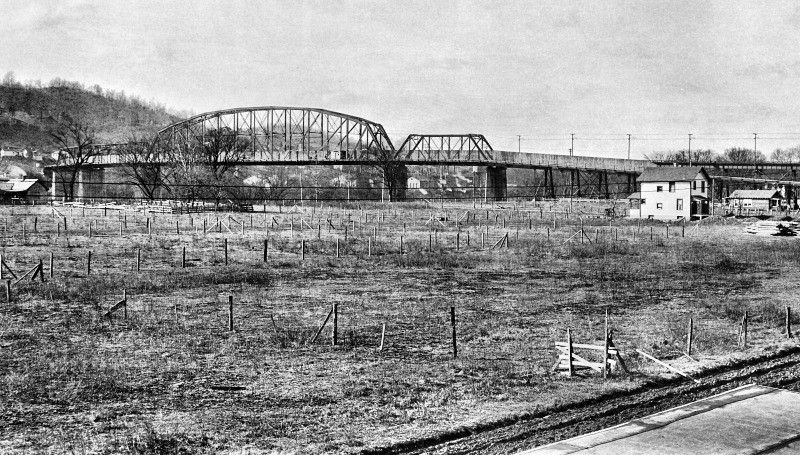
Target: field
x,y
171,377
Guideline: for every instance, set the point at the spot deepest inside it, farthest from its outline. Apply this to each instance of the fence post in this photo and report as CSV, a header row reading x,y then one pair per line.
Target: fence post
x,y
788,322
226,251
401,245
266,249
334,332
302,250
383,336
605,348
689,337
89,263
570,369
183,258
453,326
138,259
369,246
125,305
50,268
8,291
230,313
337,247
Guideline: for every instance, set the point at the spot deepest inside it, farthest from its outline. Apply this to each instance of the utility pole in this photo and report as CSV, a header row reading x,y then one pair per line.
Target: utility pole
x,y
690,149
571,144
629,146
519,143
755,146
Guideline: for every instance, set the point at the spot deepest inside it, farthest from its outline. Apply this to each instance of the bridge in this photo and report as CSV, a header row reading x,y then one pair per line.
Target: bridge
x,y
274,135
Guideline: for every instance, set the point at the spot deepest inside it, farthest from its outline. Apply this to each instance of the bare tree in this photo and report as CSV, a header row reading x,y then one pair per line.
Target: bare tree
x,y
743,155
76,140
790,155
696,156
142,162
393,172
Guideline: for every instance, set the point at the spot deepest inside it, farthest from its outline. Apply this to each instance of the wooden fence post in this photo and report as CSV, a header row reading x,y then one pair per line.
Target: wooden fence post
x,y
369,246
334,332
8,291
453,326
226,251
230,313
788,322
138,259
302,250
383,336
689,337
89,263
605,349
266,249
183,258
50,268
743,331
570,369
337,247
401,245
125,305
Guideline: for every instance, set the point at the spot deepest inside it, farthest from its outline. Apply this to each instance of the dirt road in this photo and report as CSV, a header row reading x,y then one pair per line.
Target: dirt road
x,y
779,369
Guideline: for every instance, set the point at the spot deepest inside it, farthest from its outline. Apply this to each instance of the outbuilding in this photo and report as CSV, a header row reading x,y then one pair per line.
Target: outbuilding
x,y
755,199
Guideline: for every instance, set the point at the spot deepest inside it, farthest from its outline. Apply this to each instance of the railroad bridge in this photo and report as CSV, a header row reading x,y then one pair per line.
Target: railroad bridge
x,y
263,136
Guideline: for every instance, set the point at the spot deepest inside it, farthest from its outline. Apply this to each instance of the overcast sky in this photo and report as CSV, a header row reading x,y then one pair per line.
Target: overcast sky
x,y
600,69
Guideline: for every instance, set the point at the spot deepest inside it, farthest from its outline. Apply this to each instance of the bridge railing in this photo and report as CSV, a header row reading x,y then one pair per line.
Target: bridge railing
x,y
484,158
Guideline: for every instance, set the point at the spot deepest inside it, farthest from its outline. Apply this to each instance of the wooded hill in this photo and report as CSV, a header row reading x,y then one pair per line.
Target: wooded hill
x,y
28,110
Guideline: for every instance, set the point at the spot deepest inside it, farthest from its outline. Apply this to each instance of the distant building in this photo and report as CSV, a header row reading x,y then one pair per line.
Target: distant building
x,y
671,193
22,190
413,183
755,199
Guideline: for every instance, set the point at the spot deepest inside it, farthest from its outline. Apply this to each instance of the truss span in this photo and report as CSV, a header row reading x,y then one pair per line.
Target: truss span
x,y
282,134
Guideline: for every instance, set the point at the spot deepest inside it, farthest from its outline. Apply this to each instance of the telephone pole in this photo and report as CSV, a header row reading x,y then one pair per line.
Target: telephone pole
x,y
519,143
755,145
629,146
690,149
571,144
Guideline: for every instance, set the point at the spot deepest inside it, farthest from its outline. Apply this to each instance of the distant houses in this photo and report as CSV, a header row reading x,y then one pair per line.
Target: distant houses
x,y
671,193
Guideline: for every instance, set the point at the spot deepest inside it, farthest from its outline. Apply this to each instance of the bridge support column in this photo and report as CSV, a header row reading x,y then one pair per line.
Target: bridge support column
x,y
399,184
496,183
90,184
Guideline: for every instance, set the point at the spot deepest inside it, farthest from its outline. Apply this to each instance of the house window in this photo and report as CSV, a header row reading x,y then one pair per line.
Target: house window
x,y
671,187
642,201
659,206
694,185
659,189
703,186
679,205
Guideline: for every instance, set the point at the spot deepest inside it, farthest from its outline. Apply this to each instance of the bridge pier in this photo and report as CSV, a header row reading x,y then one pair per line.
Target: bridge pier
x,y
399,184
496,183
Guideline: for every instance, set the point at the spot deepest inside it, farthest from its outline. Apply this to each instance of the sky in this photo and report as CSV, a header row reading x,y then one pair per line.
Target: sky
x,y
658,70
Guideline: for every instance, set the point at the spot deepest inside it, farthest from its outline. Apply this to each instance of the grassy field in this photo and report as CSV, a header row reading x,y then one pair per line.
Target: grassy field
x,y
172,377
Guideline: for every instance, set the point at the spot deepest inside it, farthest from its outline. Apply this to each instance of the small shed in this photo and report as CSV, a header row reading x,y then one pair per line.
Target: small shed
x,y
21,190
755,199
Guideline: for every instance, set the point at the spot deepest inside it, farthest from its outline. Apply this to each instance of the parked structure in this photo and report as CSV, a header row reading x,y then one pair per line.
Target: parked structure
x,y
670,193
755,199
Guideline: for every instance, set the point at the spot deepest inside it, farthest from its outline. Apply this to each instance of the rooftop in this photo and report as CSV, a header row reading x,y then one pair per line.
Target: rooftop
x,y
670,174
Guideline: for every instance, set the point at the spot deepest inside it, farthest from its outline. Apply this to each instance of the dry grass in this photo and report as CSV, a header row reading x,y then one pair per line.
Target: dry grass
x,y
172,379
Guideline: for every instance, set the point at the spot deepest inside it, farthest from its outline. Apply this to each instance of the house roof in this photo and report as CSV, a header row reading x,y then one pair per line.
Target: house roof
x,y
17,185
636,195
670,174
755,194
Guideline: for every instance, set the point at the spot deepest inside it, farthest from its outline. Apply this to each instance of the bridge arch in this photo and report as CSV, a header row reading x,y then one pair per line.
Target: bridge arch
x,y
276,133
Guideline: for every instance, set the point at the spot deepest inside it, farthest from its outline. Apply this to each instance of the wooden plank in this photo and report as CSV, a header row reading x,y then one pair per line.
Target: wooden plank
x,y
673,369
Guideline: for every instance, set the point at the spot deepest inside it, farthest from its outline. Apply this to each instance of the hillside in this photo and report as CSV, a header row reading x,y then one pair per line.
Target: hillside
x,y
28,110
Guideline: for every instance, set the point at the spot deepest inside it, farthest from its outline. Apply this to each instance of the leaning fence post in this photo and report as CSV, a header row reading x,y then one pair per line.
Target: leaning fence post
x,y
383,336
453,326
689,337
334,332
50,268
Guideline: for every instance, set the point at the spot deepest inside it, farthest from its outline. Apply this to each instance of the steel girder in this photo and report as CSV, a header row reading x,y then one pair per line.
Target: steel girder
x,y
276,134
446,147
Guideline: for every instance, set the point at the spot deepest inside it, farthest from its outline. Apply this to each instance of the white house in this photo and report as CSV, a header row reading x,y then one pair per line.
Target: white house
x,y
672,193
413,183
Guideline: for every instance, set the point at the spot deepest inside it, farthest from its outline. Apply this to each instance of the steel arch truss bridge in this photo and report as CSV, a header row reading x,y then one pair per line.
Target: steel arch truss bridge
x,y
281,134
